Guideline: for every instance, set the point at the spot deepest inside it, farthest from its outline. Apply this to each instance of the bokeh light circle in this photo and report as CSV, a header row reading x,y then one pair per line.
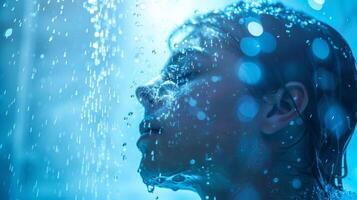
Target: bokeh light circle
x,y
250,46
249,73
255,29
247,108
320,48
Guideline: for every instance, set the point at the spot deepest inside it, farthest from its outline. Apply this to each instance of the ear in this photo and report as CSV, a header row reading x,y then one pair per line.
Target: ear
x,y
282,107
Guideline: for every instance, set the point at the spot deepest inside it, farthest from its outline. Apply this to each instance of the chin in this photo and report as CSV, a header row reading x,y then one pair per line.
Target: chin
x,y
156,173
149,171
170,180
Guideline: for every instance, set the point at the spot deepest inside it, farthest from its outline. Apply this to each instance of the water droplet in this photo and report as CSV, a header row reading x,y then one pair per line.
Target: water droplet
x,y
8,33
178,178
192,162
275,180
150,188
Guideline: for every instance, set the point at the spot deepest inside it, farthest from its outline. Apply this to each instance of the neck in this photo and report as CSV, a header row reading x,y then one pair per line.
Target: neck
x,y
288,176
270,184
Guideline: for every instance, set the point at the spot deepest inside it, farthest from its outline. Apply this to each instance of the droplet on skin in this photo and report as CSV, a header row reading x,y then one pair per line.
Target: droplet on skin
x,y
275,180
150,188
193,161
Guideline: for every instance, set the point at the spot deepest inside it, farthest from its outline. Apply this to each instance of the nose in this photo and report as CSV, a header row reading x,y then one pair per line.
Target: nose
x,y
147,93
153,95
144,95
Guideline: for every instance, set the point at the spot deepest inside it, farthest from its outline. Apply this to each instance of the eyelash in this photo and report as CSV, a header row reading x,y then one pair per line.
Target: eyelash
x,y
179,79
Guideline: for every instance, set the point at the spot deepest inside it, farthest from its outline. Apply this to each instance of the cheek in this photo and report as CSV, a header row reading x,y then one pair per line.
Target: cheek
x,y
192,115
210,105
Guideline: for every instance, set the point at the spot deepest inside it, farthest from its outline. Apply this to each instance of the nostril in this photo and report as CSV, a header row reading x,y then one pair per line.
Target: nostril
x,y
141,93
145,96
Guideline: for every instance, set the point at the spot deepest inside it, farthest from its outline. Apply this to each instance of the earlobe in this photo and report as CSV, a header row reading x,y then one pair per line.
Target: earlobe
x,y
289,101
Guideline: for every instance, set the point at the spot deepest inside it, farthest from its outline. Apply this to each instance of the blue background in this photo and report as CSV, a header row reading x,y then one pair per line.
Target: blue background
x,y
69,69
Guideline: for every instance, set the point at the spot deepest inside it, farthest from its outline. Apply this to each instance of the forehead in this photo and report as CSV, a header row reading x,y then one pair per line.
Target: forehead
x,y
199,46
202,37
186,58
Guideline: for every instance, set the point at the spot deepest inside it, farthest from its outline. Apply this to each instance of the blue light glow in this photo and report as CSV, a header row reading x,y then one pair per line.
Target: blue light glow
x,y
247,108
70,117
255,29
324,80
267,42
296,183
316,4
335,120
320,48
215,79
250,46
248,192
249,73
201,115
192,102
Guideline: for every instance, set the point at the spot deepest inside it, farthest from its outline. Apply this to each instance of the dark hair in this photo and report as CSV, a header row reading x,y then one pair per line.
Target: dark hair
x,y
329,75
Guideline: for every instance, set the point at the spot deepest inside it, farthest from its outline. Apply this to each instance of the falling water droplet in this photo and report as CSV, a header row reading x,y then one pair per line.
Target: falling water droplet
x,y
150,188
8,33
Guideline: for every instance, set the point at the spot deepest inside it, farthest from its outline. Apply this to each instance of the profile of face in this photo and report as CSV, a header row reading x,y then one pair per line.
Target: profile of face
x,y
201,118
205,128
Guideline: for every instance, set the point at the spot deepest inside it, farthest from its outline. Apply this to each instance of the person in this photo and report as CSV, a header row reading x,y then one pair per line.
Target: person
x,y
257,101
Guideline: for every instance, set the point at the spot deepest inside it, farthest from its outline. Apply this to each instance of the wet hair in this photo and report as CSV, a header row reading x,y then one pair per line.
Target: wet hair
x,y
292,46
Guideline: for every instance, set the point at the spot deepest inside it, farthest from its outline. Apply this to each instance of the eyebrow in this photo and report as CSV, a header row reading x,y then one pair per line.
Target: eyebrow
x,y
176,64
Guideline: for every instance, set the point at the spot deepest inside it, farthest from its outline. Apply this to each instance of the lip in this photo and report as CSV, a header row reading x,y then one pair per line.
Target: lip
x,y
147,141
149,125
150,130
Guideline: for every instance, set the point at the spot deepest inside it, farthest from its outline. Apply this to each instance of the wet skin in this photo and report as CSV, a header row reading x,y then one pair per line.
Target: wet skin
x,y
192,137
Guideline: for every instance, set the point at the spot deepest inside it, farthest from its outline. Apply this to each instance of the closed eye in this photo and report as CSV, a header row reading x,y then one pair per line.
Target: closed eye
x,y
185,66
179,78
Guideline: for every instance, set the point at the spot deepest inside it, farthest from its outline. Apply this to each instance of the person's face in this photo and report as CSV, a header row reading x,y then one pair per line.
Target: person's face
x,y
198,114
